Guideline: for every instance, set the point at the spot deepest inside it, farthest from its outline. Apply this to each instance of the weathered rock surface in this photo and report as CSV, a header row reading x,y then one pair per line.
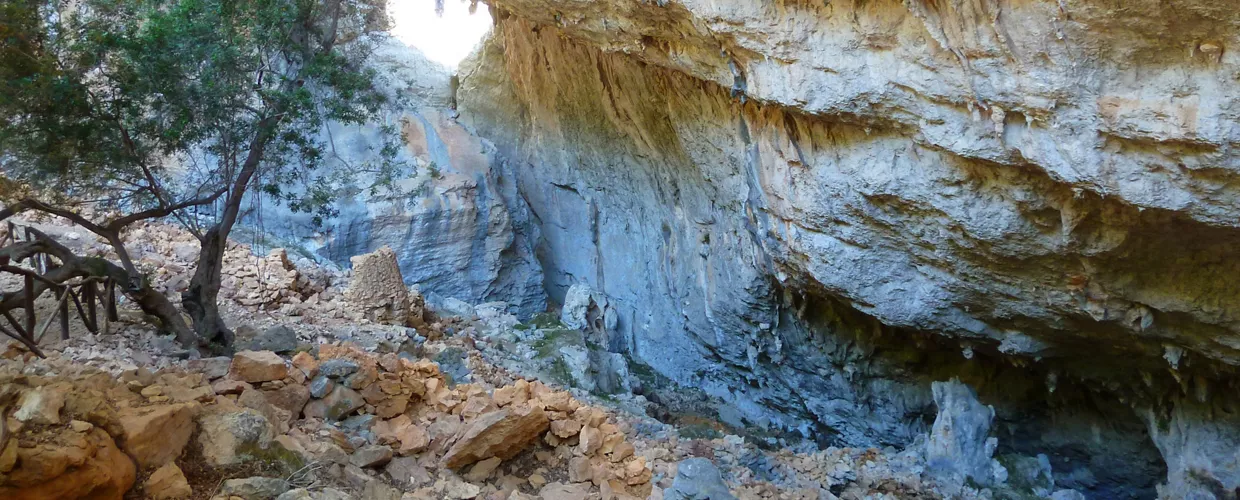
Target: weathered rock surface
x,y
697,479
73,465
41,405
804,183
257,366
233,436
501,433
156,435
960,443
466,235
167,483
1201,451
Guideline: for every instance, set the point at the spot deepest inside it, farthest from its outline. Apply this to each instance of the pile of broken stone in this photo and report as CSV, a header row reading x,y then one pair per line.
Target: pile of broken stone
x,y
306,413
343,421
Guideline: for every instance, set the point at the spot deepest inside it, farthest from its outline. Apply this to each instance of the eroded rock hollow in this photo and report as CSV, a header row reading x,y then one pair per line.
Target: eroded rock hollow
x,y
813,210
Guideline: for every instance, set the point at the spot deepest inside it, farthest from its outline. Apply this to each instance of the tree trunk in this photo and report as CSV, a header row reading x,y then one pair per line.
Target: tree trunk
x,y
201,299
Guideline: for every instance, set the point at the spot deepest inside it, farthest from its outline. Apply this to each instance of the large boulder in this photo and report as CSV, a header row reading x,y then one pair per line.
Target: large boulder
x,y
501,433
70,465
156,435
233,435
698,479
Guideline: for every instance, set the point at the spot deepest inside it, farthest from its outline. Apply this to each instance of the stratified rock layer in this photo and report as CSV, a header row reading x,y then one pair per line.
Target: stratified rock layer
x,y
806,208
457,225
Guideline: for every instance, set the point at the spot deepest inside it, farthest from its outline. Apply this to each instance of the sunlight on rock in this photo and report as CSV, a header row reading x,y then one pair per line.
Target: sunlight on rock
x,y
445,39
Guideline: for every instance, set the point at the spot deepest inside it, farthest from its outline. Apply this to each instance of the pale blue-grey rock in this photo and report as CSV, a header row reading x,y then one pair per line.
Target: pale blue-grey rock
x,y
338,367
813,211
960,445
320,386
278,338
697,479
457,223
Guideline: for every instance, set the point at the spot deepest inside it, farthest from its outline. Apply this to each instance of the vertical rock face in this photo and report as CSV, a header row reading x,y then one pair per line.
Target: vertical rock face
x,y
806,208
1201,443
458,226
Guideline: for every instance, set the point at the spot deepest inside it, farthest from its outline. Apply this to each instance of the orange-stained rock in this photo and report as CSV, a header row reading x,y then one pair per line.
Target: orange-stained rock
x,y
167,483
156,435
71,465
501,433
292,398
389,396
306,363
565,428
257,366
589,441
403,434
517,393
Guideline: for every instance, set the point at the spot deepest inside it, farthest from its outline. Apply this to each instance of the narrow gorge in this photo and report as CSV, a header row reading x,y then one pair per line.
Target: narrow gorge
x,y
942,248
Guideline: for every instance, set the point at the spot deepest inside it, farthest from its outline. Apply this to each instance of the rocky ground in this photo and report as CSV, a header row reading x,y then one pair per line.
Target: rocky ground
x,y
347,385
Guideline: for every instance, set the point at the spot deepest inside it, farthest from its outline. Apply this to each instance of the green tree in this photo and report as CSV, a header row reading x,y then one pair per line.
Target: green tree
x,y
148,109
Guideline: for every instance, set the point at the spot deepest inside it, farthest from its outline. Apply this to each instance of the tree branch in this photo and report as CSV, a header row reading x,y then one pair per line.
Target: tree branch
x,y
155,213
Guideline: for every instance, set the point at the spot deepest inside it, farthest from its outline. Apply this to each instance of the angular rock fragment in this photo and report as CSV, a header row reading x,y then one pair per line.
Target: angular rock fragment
x,y
407,473
403,433
374,455
501,433
257,366
338,404
212,368
338,367
254,488
229,437
156,435
291,398
167,483
41,405
71,465
320,386
560,491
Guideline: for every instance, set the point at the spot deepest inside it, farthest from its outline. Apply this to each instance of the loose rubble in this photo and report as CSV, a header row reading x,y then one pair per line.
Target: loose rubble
x,y
368,394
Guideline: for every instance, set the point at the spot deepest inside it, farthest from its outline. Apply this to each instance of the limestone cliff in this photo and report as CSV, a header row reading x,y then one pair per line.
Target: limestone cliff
x,y
458,226
813,209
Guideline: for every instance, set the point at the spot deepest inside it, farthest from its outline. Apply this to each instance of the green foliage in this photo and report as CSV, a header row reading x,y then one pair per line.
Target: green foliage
x,y
136,103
